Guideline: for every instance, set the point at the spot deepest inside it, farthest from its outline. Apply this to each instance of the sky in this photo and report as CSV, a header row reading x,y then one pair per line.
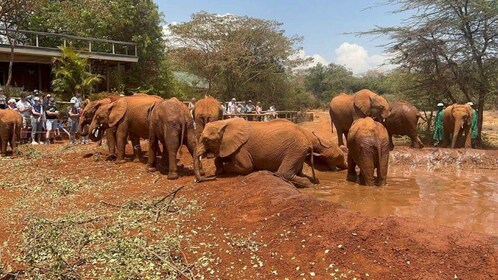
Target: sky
x,y
326,25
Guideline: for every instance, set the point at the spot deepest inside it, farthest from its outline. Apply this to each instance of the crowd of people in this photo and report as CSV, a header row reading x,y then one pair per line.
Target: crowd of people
x,y
246,107
43,120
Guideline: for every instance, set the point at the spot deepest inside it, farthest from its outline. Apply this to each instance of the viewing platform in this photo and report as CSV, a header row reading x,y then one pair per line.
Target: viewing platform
x,y
41,47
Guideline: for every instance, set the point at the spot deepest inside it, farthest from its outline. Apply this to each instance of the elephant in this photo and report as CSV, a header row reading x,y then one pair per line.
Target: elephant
x,y
326,153
457,119
128,115
87,117
241,147
10,130
206,110
403,121
368,144
344,109
171,124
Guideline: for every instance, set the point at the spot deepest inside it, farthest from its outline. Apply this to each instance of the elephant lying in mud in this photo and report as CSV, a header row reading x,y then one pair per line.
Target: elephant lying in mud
x,y
128,116
325,153
457,120
242,147
87,117
10,130
368,145
344,109
403,120
172,125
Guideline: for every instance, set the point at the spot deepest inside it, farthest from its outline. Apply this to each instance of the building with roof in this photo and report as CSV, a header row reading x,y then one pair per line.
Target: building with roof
x,y
34,53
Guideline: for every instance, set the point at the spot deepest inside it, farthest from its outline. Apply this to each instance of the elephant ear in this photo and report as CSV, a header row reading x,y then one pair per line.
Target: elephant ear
x,y
235,134
117,112
363,102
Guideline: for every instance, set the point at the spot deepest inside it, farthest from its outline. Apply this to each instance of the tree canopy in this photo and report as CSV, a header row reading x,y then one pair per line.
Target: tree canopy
x,y
451,47
238,56
137,21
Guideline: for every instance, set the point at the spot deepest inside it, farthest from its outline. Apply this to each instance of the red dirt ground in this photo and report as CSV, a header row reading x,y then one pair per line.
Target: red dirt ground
x,y
288,235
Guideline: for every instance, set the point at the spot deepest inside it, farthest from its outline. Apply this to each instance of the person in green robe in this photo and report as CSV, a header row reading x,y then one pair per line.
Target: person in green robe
x,y
438,134
473,125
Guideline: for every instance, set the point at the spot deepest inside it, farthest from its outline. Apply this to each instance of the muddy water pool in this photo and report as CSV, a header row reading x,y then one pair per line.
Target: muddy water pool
x,y
463,198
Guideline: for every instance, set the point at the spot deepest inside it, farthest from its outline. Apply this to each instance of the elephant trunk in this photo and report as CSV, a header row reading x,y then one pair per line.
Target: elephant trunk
x,y
197,166
456,132
83,128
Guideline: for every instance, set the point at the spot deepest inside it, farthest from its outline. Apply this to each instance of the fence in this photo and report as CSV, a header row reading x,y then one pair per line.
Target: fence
x,y
290,115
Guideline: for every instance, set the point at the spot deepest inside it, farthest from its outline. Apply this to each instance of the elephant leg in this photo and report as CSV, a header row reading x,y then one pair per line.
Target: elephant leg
x,y
173,143
152,152
110,135
339,136
191,142
391,144
468,141
4,147
382,169
121,140
218,163
137,150
291,169
352,176
367,168
239,164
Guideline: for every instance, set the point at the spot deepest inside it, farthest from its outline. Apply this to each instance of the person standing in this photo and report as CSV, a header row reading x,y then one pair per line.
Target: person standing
x,y
77,99
250,109
438,134
52,114
24,107
3,99
11,104
74,114
232,107
473,125
36,121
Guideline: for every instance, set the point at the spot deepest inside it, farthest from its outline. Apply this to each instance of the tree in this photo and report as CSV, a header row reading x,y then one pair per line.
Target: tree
x,y
451,46
13,14
239,56
137,21
72,74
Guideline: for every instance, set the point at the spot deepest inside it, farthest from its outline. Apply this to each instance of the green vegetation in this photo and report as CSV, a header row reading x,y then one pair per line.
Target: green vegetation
x,y
72,74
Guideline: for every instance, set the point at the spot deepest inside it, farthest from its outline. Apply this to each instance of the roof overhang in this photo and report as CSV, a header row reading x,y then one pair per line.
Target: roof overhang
x,y
45,55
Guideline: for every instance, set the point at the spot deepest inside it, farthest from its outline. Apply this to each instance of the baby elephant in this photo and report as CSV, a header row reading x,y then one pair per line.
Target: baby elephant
x,y
368,144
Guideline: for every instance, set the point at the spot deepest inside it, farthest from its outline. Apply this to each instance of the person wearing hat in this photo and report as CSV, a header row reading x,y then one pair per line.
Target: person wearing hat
x,y
37,119
11,104
438,134
473,125
3,100
232,107
250,109
24,107
52,114
74,113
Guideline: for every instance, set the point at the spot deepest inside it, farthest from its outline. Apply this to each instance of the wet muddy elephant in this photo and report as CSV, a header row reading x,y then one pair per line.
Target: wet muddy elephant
x,y
10,130
457,120
368,145
171,124
242,147
206,110
403,120
327,155
128,116
344,109
87,117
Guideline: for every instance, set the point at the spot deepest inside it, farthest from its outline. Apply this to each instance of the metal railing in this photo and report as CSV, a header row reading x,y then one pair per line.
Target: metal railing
x,y
36,39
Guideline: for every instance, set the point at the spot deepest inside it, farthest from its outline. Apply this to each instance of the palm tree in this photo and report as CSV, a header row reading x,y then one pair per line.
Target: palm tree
x,y
72,73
